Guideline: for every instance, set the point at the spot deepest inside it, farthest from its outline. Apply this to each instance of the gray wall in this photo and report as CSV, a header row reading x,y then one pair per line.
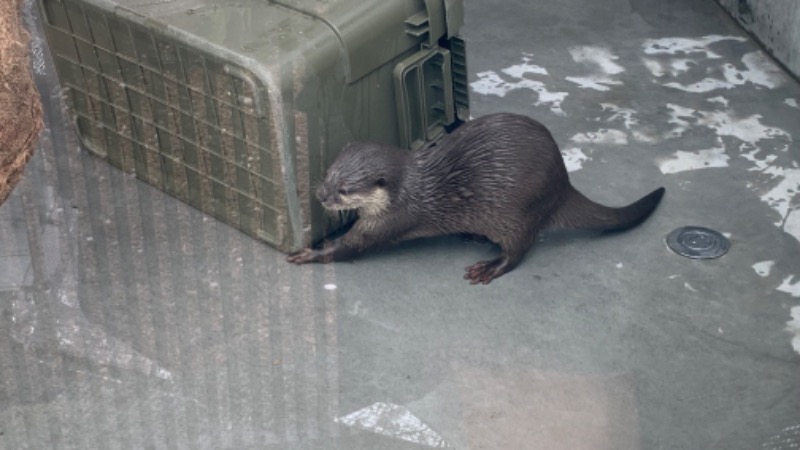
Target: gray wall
x,y
776,23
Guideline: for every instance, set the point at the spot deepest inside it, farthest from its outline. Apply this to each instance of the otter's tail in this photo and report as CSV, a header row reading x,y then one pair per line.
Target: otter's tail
x,y
580,213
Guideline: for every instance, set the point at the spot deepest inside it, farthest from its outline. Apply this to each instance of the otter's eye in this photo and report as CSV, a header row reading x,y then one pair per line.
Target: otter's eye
x,y
381,182
343,191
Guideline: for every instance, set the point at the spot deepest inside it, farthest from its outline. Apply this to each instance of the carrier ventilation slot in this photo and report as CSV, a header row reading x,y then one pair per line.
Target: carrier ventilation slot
x,y
424,90
458,50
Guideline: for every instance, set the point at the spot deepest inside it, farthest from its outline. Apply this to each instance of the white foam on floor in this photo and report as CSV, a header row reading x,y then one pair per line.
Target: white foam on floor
x,y
605,136
491,83
602,60
719,99
763,268
574,158
526,67
781,196
785,181
790,286
645,136
599,56
682,161
793,326
759,71
655,67
395,421
673,66
687,46
595,83
792,102
624,115
791,223
725,123
755,68
680,65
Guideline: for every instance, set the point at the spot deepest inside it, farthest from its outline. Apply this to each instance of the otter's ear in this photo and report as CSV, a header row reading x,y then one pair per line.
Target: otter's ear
x,y
381,182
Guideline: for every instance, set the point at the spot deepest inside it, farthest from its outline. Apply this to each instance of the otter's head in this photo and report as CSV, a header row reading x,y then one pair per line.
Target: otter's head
x,y
365,177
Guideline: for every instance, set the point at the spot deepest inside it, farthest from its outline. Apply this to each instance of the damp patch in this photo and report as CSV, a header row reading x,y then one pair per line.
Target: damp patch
x,y
698,242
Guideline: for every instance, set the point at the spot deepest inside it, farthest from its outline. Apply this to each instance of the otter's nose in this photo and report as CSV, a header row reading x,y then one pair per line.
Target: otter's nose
x,y
322,193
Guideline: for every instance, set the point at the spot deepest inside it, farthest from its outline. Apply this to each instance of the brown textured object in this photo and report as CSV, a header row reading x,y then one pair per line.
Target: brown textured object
x,y
20,107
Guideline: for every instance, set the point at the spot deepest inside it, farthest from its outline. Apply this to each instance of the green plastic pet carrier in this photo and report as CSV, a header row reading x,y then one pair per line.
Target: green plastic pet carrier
x,y
237,108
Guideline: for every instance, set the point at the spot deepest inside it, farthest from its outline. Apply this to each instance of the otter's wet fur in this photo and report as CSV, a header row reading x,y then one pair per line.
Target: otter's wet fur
x,y
501,176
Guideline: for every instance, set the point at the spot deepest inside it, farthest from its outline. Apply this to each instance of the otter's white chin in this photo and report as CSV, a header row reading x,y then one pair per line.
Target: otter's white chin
x,y
338,207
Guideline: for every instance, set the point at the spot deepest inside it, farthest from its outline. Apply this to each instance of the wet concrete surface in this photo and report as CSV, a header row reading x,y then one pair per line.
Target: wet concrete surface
x,y
130,320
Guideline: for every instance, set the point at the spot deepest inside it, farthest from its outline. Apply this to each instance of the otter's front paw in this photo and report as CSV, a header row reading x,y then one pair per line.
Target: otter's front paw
x,y
304,256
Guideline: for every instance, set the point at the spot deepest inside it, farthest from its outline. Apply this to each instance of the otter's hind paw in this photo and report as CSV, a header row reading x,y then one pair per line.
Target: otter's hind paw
x,y
484,272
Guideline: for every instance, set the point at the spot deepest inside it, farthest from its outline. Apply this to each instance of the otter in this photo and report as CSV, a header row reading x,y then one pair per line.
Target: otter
x,y
500,176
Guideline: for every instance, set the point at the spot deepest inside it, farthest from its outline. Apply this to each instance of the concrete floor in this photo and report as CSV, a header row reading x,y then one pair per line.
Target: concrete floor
x,y
129,320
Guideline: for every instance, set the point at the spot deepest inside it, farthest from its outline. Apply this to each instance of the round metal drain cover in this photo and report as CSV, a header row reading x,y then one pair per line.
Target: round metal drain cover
x,y
698,243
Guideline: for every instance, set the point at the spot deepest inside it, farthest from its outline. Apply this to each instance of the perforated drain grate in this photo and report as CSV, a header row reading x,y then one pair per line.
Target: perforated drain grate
x,y
698,243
